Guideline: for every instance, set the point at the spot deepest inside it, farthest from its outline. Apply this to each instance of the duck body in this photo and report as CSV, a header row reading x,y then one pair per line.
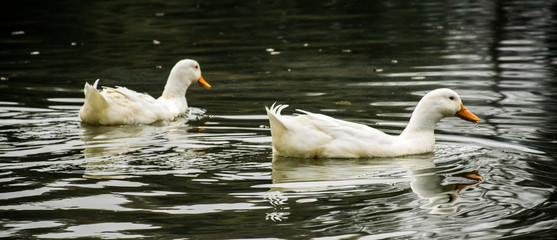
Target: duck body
x,y
315,135
118,106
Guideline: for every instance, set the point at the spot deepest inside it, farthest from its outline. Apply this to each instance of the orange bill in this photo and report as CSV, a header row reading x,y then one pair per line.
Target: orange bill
x,y
203,83
466,115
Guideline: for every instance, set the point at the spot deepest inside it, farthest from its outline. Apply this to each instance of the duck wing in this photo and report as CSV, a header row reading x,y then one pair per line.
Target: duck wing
x,y
125,95
137,107
342,129
318,135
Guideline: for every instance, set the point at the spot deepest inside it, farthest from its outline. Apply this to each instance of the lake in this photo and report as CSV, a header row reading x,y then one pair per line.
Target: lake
x,y
211,174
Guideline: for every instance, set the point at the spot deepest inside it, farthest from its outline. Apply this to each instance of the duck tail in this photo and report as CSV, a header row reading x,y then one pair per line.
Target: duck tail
x,y
274,117
94,101
92,95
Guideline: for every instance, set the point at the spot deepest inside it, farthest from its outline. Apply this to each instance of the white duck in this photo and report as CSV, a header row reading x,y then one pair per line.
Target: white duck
x,y
117,106
315,135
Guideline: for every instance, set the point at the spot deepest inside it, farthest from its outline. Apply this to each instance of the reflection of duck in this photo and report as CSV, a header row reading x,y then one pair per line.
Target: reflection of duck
x,y
309,175
108,149
117,106
315,135
427,184
106,146
105,141
293,176
113,140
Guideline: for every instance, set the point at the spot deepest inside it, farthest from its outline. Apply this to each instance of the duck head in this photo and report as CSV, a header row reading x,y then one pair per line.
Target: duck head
x,y
182,75
188,71
434,106
444,102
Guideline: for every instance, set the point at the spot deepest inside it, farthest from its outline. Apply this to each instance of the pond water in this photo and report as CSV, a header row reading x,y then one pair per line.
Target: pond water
x,y
211,174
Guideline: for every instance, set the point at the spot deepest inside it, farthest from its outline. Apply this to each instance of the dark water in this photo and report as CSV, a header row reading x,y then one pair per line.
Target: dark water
x,y
211,175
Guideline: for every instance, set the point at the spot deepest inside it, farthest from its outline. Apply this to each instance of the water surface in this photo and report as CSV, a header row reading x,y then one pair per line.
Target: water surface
x,y
211,174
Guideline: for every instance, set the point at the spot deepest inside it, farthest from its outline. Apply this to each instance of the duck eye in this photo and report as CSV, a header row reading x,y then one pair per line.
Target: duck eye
x,y
196,66
451,97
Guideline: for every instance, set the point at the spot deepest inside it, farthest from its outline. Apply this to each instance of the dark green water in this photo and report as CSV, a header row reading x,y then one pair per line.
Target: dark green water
x,y
211,175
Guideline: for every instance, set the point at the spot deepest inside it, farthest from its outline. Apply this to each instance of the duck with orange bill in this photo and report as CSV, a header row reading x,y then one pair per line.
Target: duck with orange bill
x,y
120,105
312,135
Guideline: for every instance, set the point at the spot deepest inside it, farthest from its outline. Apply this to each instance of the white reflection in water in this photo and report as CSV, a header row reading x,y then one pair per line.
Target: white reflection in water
x,y
209,208
107,230
109,202
428,184
300,179
115,140
14,227
111,148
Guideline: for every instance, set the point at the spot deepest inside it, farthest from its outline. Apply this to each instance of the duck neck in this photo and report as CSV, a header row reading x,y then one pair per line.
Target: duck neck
x,y
422,122
174,88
